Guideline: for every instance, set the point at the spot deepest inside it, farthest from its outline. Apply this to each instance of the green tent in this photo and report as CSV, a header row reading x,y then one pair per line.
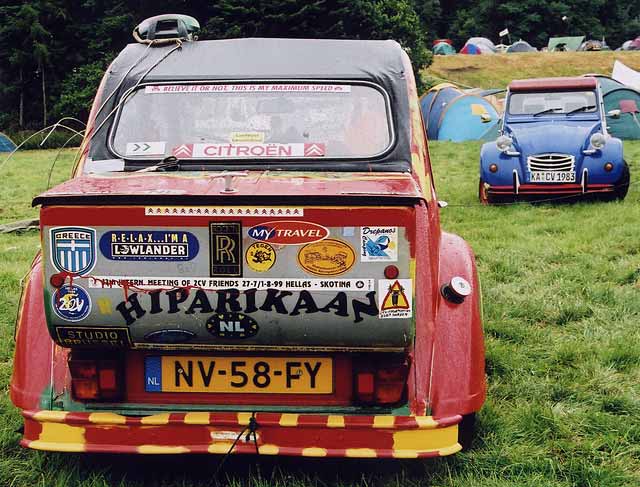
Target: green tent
x,y
627,100
617,96
443,48
565,43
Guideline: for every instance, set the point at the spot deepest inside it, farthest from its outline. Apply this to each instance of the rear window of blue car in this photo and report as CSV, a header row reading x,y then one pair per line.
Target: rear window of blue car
x,y
555,102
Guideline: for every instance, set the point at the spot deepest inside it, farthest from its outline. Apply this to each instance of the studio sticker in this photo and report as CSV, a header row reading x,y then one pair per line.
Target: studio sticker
x,y
395,298
288,232
329,257
378,244
173,246
71,303
225,249
260,256
82,336
73,249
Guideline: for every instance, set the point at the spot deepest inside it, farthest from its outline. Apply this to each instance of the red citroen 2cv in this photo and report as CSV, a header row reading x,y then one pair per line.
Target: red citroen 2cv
x,y
249,259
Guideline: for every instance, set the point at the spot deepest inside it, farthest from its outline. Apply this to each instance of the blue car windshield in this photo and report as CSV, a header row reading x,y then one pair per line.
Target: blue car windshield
x,y
554,102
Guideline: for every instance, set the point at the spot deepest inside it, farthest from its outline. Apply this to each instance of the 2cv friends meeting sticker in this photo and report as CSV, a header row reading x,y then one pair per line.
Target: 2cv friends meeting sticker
x,y
71,303
137,245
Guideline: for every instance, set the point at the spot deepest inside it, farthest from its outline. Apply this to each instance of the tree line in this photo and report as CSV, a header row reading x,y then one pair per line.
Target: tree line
x,y
54,52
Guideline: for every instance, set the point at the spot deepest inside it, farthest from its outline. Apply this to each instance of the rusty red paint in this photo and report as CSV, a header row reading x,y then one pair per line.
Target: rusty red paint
x,y
560,83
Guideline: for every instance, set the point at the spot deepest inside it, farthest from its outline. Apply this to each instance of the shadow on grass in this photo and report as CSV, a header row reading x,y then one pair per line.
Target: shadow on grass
x,y
241,470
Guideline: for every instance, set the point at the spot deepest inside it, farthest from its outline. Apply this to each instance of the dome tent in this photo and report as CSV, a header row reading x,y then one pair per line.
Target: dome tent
x,y
450,114
443,49
6,144
478,45
521,46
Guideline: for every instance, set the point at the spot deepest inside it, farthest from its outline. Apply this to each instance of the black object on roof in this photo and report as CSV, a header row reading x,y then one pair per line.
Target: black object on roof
x,y
268,59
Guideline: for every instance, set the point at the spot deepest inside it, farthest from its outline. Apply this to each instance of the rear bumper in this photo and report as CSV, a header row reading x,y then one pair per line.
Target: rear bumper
x,y
277,434
548,190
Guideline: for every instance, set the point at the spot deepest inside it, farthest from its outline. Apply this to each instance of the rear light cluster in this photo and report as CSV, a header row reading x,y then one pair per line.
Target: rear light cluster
x,y
380,383
96,379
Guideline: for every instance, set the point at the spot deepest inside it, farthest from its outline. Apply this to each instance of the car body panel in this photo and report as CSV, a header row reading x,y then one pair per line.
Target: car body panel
x,y
424,423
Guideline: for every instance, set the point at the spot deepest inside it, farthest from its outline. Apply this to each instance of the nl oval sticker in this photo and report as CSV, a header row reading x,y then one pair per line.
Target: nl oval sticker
x,y
287,232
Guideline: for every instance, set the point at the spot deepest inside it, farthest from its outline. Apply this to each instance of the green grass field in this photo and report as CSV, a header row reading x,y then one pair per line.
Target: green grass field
x,y
498,70
561,308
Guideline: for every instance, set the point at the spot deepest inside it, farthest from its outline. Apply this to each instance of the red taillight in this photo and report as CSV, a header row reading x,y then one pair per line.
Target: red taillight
x,y
99,379
365,386
381,384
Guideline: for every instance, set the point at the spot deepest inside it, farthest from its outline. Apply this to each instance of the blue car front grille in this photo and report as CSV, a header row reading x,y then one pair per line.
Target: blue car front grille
x,y
551,162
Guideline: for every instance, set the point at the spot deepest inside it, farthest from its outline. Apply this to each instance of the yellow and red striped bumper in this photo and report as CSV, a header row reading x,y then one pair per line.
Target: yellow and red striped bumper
x,y
276,434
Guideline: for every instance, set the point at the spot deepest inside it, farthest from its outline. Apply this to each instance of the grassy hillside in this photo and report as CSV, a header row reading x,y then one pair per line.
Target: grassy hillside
x,y
496,71
561,305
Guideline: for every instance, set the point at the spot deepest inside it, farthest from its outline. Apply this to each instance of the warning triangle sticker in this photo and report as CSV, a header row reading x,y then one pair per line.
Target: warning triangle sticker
x,y
395,298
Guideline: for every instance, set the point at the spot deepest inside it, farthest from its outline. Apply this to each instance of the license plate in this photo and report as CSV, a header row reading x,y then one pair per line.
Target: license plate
x,y
270,375
552,177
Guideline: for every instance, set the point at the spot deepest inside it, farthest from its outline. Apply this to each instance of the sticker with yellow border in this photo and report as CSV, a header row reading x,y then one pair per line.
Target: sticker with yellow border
x,y
247,137
260,256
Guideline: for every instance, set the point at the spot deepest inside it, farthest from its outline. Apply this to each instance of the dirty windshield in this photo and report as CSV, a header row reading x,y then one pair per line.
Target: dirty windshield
x,y
253,121
558,102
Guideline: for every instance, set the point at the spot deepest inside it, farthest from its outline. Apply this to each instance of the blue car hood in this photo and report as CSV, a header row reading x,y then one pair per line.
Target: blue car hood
x,y
548,136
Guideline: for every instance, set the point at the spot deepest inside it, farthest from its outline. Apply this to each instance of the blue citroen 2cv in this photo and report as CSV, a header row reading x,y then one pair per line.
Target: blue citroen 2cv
x,y
553,144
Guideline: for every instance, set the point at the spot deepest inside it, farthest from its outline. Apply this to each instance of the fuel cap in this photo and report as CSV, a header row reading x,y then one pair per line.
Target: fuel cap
x,y
457,290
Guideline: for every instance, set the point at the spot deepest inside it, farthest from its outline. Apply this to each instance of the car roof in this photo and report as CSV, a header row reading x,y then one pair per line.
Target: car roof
x,y
268,58
543,84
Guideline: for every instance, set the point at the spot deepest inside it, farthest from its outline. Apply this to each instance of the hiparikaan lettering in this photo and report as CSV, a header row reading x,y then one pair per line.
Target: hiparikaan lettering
x,y
231,300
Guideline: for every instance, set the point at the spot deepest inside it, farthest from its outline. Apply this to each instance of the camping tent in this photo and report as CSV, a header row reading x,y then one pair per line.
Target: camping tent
x,y
617,96
450,114
478,45
521,46
565,43
593,45
6,144
443,48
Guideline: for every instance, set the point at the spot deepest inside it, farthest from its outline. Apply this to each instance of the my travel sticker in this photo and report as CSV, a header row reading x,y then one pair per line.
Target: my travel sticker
x,y
395,298
71,303
288,232
142,245
378,244
73,249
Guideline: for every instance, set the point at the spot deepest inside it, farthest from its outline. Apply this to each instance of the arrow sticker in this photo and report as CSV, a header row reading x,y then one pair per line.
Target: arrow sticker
x,y
145,149
313,150
183,151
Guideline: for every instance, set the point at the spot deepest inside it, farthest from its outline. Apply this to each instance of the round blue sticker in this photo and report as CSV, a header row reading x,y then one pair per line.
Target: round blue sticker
x,y
71,303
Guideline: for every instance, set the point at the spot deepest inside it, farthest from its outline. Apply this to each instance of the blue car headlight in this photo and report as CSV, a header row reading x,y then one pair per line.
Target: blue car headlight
x,y
504,143
598,140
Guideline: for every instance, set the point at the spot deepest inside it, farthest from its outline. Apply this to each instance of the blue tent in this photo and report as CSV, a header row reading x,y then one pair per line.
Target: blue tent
x,y
6,144
450,114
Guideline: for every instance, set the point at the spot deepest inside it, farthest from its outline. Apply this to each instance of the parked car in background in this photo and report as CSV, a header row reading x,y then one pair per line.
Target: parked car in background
x,y
249,259
553,144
